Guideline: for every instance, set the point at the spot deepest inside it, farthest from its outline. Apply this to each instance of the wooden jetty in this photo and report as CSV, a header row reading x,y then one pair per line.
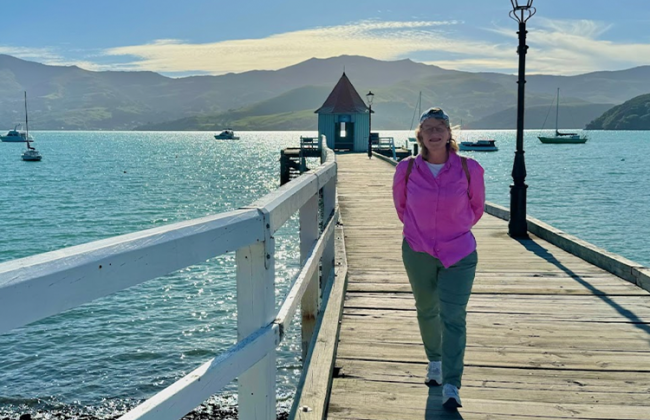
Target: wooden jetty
x,y
550,336
293,160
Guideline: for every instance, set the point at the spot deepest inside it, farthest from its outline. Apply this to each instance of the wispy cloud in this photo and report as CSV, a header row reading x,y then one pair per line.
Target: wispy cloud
x,y
39,54
381,40
51,57
556,47
571,47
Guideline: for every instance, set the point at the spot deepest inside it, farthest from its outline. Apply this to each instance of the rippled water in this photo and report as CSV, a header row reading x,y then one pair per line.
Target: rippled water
x,y
106,356
91,185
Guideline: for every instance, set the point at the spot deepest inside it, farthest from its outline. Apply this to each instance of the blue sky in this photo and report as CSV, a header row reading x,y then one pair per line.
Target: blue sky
x,y
180,38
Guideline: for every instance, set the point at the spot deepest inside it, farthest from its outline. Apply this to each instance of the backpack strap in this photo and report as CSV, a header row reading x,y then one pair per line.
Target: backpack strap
x,y
408,171
408,174
463,160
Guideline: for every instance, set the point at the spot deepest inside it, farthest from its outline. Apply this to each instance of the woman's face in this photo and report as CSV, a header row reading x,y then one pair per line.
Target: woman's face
x,y
435,135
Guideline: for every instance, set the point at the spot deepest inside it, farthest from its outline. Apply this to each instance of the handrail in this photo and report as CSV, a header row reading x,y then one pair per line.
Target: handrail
x,y
386,143
43,285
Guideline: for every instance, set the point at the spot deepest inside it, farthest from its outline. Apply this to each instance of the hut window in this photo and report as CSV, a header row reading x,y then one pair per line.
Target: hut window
x,y
342,133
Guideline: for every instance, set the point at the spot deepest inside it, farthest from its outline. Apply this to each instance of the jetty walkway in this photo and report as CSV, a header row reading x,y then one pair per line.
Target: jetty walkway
x,y
550,336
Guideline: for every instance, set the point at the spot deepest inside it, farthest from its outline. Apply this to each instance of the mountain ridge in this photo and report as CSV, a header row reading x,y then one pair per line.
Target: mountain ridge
x,y
68,97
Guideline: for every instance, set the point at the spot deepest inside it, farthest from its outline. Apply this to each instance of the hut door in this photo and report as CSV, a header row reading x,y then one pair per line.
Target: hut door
x,y
344,136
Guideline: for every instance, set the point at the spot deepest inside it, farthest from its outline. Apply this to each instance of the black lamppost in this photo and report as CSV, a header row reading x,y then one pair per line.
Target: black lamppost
x,y
521,12
370,96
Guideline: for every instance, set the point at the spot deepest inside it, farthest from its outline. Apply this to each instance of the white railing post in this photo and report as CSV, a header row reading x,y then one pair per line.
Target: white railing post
x,y
255,309
309,304
322,141
329,202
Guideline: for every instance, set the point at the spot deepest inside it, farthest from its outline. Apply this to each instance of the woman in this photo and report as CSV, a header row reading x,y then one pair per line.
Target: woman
x,y
439,196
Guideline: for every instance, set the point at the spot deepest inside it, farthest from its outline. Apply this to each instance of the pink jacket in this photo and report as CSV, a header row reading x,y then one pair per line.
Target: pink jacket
x,y
437,212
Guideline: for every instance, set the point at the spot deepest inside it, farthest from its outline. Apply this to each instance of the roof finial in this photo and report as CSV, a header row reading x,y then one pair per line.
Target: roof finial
x,y
343,69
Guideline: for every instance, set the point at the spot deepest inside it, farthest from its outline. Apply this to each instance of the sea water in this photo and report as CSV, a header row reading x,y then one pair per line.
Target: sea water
x,y
106,356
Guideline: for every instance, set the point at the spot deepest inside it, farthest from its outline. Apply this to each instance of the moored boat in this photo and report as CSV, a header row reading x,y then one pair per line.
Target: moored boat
x,y
16,136
226,135
561,138
31,155
478,146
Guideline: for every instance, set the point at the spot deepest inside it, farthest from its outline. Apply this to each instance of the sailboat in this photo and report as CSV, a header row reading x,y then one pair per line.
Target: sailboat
x,y
562,138
31,154
418,109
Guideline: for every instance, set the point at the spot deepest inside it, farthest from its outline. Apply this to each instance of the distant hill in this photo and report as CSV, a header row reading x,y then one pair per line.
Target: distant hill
x,y
72,98
572,116
293,110
631,115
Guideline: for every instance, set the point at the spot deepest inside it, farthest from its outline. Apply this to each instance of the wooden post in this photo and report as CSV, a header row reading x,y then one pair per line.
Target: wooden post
x,y
310,301
255,309
285,175
329,201
323,150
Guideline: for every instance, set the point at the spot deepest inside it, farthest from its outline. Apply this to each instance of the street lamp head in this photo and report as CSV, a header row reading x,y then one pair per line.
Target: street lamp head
x,y
370,96
520,4
522,10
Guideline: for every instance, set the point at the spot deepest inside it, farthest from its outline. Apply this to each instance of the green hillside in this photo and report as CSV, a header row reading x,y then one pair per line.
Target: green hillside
x,y
631,115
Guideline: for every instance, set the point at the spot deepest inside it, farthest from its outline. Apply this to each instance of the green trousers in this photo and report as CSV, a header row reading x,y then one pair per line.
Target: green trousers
x,y
441,296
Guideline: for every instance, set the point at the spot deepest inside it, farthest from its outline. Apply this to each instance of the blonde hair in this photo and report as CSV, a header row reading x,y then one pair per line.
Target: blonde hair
x,y
451,144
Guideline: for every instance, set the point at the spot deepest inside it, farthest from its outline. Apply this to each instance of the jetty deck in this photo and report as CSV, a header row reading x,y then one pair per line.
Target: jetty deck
x,y
550,336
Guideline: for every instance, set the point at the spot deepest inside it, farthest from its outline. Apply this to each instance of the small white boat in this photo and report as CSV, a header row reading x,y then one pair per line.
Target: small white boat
x,y
478,146
16,136
226,135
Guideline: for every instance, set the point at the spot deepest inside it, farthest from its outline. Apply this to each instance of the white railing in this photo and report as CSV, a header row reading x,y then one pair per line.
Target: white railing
x,y
385,143
43,285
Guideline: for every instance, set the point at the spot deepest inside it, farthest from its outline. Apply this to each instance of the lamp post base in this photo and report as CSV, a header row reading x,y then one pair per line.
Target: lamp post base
x,y
517,227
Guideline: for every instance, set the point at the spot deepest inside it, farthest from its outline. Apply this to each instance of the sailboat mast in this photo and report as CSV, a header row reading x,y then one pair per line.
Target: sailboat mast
x,y
557,110
419,110
26,120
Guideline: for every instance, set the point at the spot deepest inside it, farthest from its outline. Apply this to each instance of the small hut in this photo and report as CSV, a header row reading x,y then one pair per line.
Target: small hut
x,y
344,118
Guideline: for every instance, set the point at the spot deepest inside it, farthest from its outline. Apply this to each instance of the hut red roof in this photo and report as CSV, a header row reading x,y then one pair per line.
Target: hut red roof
x,y
343,99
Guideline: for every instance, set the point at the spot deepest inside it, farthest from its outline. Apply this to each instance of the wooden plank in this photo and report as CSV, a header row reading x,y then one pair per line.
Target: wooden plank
x,y
505,378
618,290
361,400
406,309
503,356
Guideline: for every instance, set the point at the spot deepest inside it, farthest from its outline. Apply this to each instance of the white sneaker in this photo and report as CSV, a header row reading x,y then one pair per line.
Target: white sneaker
x,y
450,397
434,374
